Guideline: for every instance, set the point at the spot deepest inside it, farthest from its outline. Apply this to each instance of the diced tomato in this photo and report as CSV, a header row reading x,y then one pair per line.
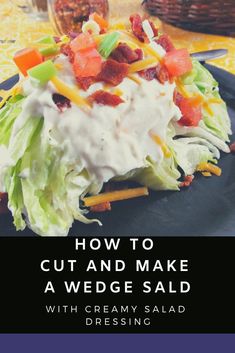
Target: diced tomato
x,y
87,64
178,62
27,58
83,42
191,112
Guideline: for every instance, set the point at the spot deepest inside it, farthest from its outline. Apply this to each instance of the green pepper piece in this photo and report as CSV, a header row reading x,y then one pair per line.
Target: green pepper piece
x,y
43,72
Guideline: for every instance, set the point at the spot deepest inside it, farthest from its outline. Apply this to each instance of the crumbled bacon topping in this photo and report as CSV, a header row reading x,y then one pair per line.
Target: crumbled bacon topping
x,y
188,179
154,29
148,74
105,98
159,72
177,97
66,50
137,28
102,207
140,53
73,35
57,39
165,41
85,82
113,72
124,54
162,74
232,147
61,102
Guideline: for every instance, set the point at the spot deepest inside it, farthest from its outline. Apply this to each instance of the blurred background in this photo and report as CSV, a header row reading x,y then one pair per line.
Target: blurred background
x,y
190,23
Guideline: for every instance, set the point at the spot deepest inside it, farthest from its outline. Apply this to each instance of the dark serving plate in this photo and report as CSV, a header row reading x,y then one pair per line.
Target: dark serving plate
x,y
207,208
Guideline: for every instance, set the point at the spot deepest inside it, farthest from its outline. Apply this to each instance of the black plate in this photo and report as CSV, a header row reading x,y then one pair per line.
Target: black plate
x,y
206,208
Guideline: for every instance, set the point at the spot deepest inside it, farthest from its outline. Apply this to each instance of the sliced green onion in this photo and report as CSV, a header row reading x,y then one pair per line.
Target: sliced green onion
x,y
108,44
43,72
46,40
49,50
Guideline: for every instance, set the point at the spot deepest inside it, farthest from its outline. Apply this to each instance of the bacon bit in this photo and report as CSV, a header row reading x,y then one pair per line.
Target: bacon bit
x,y
232,147
102,207
124,54
3,203
113,72
57,39
148,74
162,74
165,41
73,35
154,29
140,53
135,79
66,50
188,179
85,82
177,97
105,98
136,26
62,102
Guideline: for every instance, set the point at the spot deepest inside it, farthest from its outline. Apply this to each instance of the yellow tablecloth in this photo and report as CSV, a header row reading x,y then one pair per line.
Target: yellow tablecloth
x,y
17,30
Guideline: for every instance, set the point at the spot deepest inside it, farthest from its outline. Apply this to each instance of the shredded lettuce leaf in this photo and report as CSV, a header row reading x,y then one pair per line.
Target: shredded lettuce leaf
x,y
43,191
159,176
200,81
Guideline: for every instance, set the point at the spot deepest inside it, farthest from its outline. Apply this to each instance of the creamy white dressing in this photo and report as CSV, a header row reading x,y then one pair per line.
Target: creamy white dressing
x,y
107,141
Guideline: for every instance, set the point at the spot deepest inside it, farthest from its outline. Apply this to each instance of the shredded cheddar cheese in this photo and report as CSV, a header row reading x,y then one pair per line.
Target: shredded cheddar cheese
x,y
59,66
135,79
142,65
5,95
71,93
206,174
112,196
214,100
161,143
150,51
118,26
182,90
208,167
207,107
118,92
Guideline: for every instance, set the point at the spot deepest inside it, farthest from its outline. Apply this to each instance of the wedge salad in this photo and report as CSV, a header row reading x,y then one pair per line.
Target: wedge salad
x,y
114,102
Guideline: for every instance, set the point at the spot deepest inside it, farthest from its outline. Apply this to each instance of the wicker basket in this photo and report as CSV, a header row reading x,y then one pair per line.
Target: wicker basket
x,y
211,16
